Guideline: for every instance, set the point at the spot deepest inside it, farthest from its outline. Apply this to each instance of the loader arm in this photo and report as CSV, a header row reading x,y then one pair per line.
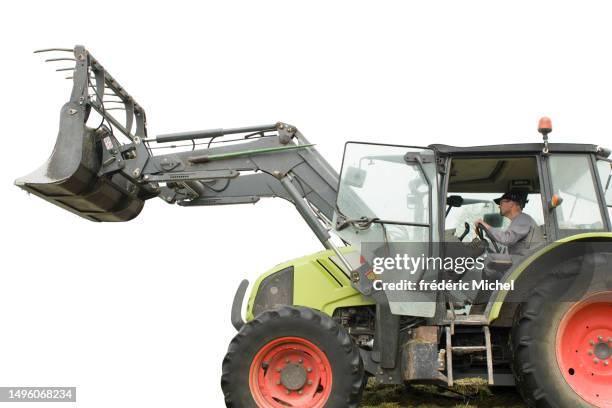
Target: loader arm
x,y
245,171
103,166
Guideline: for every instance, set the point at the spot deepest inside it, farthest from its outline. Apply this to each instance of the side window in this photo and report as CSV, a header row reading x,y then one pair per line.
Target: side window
x,y
604,168
573,181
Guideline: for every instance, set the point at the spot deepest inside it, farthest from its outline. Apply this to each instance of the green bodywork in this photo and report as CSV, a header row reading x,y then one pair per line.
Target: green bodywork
x,y
318,283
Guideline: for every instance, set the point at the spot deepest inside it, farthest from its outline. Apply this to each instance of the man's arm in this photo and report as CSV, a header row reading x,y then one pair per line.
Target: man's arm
x,y
515,232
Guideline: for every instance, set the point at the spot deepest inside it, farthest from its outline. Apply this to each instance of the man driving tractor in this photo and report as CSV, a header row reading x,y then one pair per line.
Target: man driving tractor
x,y
517,236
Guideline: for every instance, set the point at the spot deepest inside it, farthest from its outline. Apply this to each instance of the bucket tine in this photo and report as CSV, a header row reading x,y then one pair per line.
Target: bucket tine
x,y
54,49
59,59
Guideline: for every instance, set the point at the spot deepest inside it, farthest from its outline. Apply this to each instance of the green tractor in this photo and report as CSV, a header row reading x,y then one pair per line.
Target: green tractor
x,y
316,328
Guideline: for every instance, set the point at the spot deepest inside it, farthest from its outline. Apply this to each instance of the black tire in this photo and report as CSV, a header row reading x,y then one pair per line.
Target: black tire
x,y
533,343
301,322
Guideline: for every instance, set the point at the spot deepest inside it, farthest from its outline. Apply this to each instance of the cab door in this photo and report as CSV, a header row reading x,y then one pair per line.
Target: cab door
x,y
388,204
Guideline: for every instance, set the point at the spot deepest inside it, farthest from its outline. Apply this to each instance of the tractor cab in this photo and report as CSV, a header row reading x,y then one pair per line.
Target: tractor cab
x,y
566,186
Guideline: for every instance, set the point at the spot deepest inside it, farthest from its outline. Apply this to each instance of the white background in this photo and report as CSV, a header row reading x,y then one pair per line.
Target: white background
x,y
137,314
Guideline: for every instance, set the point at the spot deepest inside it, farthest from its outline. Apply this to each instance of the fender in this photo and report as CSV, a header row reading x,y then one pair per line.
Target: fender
x,y
496,305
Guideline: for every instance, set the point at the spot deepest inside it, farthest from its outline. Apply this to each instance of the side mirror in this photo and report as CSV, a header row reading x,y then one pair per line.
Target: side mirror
x,y
555,201
354,177
454,201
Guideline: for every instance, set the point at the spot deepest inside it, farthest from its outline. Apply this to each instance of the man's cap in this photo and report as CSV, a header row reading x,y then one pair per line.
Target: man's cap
x,y
519,197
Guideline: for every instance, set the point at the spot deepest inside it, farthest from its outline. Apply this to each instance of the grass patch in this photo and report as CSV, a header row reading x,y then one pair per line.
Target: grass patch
x,y
468,393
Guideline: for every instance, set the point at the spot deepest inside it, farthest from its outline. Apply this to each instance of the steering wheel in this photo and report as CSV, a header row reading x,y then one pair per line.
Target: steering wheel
x,y
481,232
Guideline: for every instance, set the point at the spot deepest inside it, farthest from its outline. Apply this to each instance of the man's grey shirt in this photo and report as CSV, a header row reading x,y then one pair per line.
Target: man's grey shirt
x,y
515,237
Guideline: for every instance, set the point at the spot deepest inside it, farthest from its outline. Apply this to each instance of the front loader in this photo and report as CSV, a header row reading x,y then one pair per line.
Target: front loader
x,y
318,327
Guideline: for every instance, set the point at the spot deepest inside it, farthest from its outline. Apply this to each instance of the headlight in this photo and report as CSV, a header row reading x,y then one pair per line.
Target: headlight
x,y
274,290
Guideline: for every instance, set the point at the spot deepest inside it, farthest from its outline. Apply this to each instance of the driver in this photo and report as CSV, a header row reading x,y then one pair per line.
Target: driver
x,y
511,206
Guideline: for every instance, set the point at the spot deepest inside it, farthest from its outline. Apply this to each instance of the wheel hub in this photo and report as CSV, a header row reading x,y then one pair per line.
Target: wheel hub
x,y
293,377
602,350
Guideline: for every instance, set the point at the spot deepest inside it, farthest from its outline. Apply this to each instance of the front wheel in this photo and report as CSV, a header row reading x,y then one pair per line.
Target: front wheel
x,y
563,350
292,357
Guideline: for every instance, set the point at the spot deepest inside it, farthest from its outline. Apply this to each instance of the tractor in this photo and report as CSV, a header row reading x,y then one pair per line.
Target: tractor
x,y
319,327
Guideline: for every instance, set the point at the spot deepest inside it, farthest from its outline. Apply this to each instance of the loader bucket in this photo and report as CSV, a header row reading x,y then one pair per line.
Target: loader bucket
x,y
70,177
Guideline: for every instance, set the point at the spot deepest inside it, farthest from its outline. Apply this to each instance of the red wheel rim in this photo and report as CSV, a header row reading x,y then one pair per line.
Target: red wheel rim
x,y
290,372
584,348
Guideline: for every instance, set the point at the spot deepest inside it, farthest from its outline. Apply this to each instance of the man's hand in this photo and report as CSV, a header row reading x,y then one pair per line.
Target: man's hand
x,y
481,222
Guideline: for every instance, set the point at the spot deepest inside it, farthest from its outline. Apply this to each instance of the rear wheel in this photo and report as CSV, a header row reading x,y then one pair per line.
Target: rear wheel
x,y
292,357
563,350
584,348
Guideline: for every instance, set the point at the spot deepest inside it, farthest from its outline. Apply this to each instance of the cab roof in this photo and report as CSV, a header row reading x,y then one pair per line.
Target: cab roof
x,y
516,148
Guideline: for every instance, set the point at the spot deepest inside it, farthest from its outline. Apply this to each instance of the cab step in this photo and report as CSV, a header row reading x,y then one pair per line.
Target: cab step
x,y
461,350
